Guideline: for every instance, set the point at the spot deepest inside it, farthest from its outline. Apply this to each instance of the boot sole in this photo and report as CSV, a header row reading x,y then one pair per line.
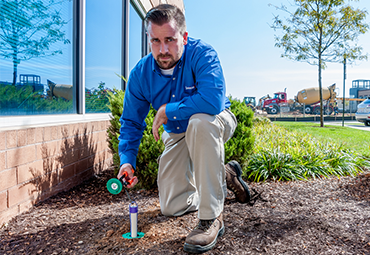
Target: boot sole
x,y
238,169
191,248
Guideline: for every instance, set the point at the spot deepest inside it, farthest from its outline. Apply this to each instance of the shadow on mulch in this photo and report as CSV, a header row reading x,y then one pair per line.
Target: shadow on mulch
x,y
92,192
328,216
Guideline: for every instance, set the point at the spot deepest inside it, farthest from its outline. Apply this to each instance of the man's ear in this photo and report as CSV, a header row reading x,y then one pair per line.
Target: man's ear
x,y
185,38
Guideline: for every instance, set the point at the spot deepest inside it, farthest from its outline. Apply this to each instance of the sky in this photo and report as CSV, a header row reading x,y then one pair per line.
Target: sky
x,y
241,34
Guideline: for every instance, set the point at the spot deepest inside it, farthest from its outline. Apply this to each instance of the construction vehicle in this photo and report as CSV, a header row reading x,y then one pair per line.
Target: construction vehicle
x,y
306,101
250,102
60,90
32,80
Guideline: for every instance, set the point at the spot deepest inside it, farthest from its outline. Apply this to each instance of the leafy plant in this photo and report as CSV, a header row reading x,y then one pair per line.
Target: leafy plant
x,y
286,155
240,146
149,149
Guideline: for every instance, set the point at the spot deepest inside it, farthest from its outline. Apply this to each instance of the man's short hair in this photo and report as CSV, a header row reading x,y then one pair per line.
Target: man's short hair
x,y
164,13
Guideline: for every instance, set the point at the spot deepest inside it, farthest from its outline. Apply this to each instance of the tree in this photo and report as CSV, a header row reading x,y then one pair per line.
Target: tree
x,y
321,31
28,28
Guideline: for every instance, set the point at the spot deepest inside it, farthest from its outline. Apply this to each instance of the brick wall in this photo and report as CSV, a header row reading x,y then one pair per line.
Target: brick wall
x,y
36,163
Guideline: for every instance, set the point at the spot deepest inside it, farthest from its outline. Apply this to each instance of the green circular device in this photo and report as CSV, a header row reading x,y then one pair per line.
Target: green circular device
x,y
114,186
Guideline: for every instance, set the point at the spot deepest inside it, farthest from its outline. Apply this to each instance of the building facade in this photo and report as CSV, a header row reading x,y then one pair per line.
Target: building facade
x,y
54,79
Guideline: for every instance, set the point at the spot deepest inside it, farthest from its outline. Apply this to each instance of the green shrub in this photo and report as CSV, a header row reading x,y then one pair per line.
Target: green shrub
x,y
239,147
115,106
149,150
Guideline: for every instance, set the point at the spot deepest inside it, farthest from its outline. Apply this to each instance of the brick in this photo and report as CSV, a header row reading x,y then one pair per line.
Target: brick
x,y
66,173
73,129
47,181
8,178
102,136
31,136
2,161
22,137
82,165
2,141
67,144
50,164
68,184
30,171
84,152
64,131
102,125
47,134
25,206
3,201
106,125
21,156
83,128
48,149
22,193
7,215
50,192
11,139
68,157
39,135
94,126
85,175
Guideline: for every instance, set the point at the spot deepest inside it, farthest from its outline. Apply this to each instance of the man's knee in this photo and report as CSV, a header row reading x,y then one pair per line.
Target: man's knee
x,y
200,121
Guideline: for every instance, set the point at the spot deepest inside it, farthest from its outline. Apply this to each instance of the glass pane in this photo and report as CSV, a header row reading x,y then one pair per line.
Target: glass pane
x,y
35,57
103,52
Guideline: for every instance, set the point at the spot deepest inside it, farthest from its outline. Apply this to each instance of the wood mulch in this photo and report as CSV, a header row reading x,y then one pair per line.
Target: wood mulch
x,y
330,216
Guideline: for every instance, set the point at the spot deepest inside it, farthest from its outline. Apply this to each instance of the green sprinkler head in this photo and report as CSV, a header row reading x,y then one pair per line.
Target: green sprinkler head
x,y
114,186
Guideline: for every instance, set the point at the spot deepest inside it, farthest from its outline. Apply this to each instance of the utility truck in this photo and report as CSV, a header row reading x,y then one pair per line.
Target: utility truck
x,y
306,101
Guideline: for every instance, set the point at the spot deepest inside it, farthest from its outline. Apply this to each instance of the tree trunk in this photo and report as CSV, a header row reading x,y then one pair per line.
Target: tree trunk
x,y
320,84
15,67
320,93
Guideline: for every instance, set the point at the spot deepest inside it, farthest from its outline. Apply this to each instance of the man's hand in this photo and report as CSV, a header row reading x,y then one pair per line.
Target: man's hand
x,y
159,119
130,174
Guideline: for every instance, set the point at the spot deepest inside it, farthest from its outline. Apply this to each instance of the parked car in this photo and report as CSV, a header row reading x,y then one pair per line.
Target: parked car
x,y
363,112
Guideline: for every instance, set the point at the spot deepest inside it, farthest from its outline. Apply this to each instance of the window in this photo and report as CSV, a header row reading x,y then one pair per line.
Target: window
x,y
35,57
102,51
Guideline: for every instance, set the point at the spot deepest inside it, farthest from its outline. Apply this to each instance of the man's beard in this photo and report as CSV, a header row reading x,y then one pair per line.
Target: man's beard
x,y
167,64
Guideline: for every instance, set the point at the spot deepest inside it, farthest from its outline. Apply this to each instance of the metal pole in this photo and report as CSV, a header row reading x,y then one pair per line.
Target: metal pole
x,y
125,41
344,87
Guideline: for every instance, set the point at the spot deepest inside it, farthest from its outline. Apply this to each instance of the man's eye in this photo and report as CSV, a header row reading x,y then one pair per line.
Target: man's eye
x,y
170,40
155,41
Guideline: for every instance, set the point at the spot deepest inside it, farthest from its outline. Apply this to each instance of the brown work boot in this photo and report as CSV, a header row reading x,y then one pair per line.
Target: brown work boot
x,y
235,183
204,235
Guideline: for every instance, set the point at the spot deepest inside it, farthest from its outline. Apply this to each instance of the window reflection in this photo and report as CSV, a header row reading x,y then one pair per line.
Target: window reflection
x,y
35,52
103,52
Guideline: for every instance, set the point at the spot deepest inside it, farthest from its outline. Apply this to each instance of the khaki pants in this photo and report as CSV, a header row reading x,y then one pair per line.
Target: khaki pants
x,y
191,174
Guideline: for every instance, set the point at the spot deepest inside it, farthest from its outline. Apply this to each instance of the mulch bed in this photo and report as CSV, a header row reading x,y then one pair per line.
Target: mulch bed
x,y
330,216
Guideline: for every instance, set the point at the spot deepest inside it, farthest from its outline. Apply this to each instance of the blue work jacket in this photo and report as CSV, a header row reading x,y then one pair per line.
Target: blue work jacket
x,y
196,86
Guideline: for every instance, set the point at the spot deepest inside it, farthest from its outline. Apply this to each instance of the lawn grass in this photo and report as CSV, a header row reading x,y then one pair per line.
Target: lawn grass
x,y
285,151
350,138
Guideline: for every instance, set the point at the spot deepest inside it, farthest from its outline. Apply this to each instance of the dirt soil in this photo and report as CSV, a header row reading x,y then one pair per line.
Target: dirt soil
x,y
330,216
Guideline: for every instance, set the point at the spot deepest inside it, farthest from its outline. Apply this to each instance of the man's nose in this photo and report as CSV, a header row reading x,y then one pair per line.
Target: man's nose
x,y
164,48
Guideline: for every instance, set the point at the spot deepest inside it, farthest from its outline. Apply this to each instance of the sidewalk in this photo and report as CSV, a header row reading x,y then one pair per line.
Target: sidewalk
x,y
351,124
